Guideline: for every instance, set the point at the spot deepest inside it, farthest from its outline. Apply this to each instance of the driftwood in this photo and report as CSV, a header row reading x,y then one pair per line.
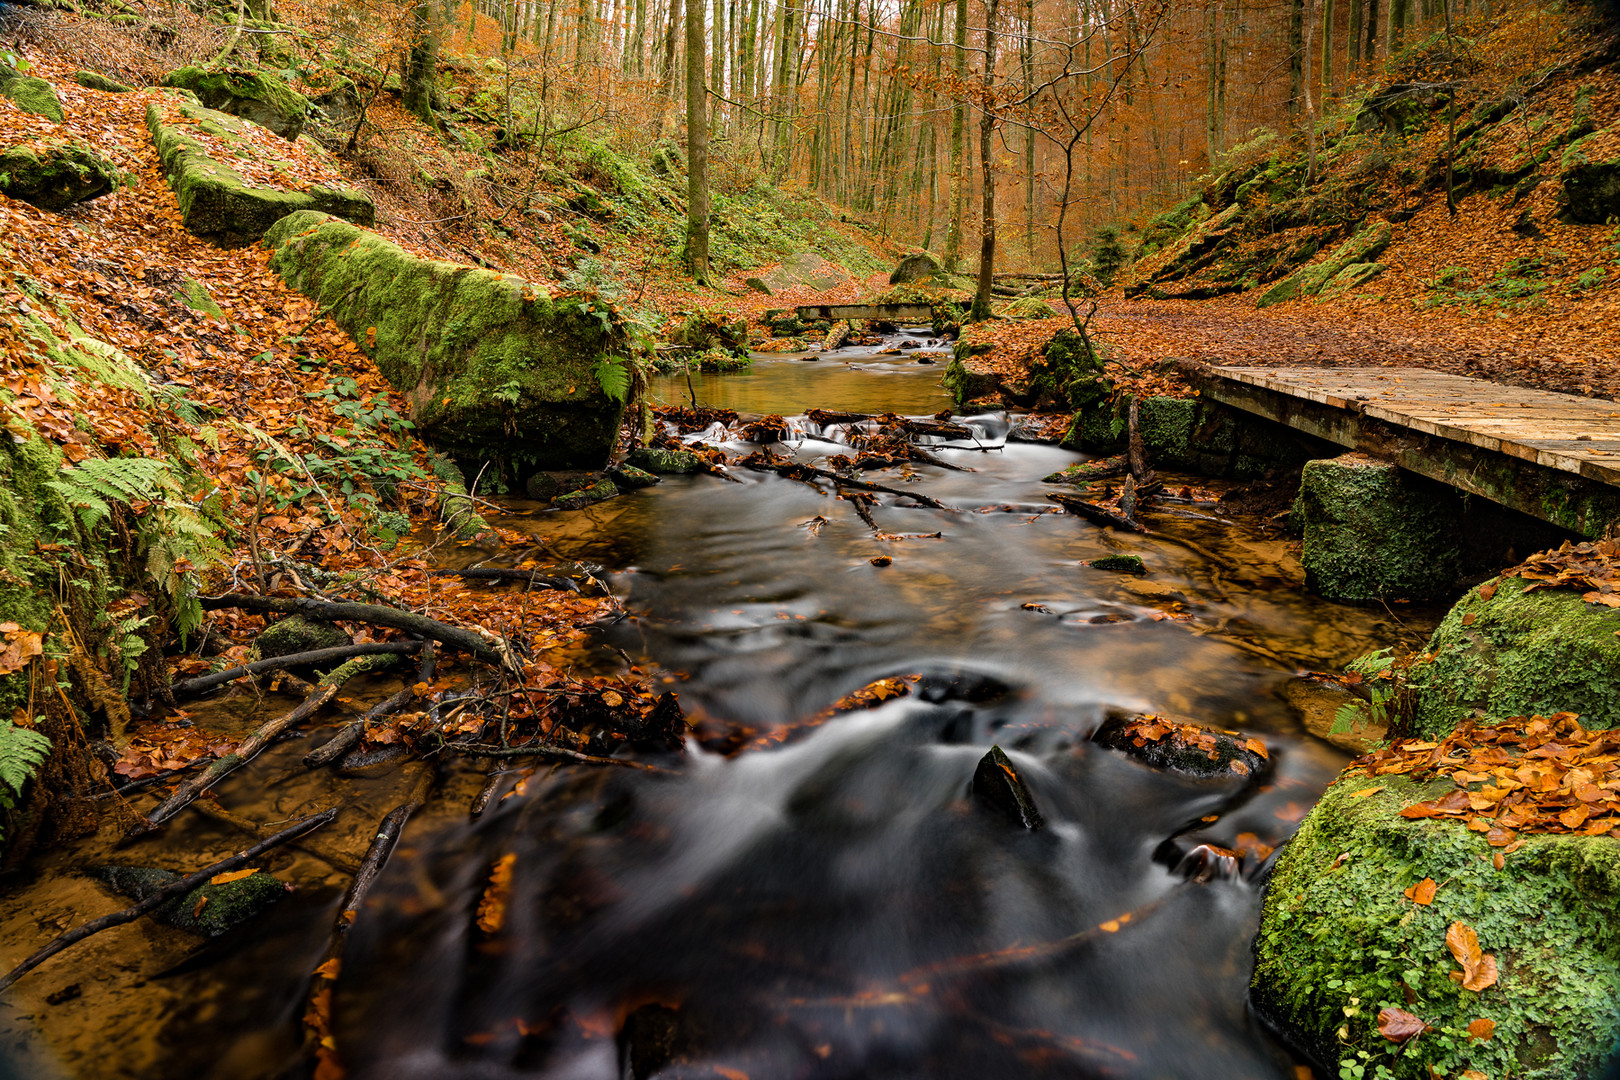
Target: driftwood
x,y
454,636
183,795
543,750
190,687
351,732
168,892
1074,504
794,470
499,573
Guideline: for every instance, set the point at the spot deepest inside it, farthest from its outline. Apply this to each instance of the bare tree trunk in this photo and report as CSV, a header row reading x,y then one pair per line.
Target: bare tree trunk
x,y
697,149
953,232
987,130
421,81
1310,101
1296,54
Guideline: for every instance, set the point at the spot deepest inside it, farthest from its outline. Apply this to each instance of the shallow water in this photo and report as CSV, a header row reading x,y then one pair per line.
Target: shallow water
x,y
841,905
800,895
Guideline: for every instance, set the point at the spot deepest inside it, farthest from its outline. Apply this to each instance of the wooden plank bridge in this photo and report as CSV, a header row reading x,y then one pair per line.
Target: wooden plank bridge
x,y
1553,456
909,314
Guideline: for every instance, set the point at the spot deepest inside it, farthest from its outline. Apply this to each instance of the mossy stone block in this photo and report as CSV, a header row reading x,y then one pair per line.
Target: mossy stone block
x,y
1364,247
492,366
1375,531
1519,654
666,462
1339,941
90,80
34,95
296,634
57,174
601,491
263,99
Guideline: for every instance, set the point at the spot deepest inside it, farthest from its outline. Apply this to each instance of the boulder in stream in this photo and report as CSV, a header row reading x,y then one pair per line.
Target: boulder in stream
x,y
601,491
998,783
296,634
1187,748
628,478
210,909
657,460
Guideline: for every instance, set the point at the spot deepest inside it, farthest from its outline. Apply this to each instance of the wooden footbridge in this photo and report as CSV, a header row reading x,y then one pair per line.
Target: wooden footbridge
x,y
1553,456
909,314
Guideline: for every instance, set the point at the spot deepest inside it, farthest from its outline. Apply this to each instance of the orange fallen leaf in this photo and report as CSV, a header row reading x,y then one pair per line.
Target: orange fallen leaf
x,y
1478,967
492,906
1423,892
1482,1029
234,875
1364,792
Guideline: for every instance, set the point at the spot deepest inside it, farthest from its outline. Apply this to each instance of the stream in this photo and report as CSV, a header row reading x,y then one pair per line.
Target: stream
x,y
815,896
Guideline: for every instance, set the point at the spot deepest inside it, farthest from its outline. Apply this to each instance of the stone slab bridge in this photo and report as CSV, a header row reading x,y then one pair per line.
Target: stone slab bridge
x,y
1551,456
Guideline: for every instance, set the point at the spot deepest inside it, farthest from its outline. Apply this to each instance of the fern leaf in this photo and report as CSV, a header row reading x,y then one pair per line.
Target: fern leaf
x,y
614,376
22,751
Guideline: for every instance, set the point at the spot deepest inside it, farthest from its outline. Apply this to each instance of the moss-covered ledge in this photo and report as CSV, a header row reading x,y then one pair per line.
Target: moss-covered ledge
x,y
231,185
494,368
1340,940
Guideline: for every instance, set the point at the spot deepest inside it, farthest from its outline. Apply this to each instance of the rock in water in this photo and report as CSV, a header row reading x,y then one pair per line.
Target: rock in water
x,y
998,783
209,909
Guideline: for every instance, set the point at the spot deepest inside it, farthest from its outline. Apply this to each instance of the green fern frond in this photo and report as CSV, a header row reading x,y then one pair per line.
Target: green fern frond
x,y
22,751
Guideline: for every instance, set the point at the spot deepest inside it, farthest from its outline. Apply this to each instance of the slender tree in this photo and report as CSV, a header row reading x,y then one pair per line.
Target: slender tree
x,y
697,149
987,131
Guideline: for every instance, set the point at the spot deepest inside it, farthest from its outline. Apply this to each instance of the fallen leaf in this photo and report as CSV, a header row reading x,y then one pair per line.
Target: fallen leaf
x,y
1482,1029
1422,892
1364,792
1398,1025
1478,967
234,875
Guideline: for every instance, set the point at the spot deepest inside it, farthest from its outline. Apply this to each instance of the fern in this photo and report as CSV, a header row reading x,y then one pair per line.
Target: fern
x,y
22,751
95,483
613,374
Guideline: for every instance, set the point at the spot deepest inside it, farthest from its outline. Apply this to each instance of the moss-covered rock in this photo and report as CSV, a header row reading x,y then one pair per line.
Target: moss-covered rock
x,y
1373,530
90,80
34,95
1119,564
1592,191
263,99
195,295
1029,307
1352,277
493,368
1339,941
1199,247
915,267
1362,248
1170,225
661,462
1519,653
56,174
628,478
210,909
601,491
215,200
296,634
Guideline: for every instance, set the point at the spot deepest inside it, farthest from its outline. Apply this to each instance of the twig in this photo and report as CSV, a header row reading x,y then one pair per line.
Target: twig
x,y
540,750
334,747
177,888
500,573
278,663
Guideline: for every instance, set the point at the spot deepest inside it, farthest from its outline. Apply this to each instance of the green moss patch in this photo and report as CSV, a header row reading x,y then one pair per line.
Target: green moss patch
x,y
56,174
90,80
493,368
1358,251
1339,941
263,99
34,95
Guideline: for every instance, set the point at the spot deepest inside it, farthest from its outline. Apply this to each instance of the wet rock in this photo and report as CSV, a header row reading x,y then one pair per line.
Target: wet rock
x,y
970,686
1373,530
296,634
664,728
90,80
210,909
998,783
1083,472
34,95
600,491
1121,564
915,268
263,99
56,174
1186,748
649,1040
376,761
1317,701
666,462
628,478
542,486
1341,938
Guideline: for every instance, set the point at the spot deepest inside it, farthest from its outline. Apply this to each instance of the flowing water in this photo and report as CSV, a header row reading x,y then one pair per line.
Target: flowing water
x,y
816,896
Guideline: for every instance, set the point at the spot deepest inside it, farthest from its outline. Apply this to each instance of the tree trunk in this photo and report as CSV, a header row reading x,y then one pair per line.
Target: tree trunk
x,y
987,130
953,232
421,81
1327,50
697,149
1296,54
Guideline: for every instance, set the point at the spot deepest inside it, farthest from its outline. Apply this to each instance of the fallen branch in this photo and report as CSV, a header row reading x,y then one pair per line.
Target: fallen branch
x,y
183,795
794,470
157,899
279,663
1091,511
541,750
312,846
351,732
497,573
376,614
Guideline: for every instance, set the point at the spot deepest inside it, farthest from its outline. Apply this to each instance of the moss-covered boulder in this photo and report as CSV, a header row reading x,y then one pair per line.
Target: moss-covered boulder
x,y
56,174
1373,530
1502,651
296,634
915,267
601,491
1196,249
211,908
91,80
1343,937
1592,191
216,199
1030,307
493,368
1352,277
34,95
1362,248
661,462
263,99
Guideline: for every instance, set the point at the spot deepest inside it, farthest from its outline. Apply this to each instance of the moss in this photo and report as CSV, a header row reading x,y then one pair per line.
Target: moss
x,y
600,491
210,909
1520,653
1372,530
296,634
1170,225
216,201
1121,564
92,81
196,296
31,515
493,368
1352,276
666,462
1361,248
56,174
263,99
36,96
1339,941
1029,308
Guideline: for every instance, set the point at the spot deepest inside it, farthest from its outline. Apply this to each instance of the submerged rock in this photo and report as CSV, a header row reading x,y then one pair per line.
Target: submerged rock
x,y
1190,749
211,908
600,491
1122,564
998,783
56,174
1349,932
